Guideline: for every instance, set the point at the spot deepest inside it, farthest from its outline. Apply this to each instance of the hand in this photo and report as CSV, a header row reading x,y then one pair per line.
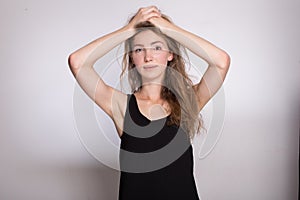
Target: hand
x,y
161,23
144,14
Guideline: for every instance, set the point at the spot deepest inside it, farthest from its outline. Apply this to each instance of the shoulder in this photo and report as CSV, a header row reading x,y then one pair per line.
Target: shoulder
x,y
119,106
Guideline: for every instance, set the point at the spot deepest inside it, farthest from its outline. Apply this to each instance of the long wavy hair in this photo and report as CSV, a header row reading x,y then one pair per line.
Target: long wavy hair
x,y
177,87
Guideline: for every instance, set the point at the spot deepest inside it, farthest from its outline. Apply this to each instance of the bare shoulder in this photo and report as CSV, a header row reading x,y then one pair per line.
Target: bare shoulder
x,y
119,102
118,106
112,102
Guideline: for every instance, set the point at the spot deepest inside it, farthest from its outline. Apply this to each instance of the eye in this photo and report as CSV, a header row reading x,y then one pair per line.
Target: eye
x,y
157,48
138,50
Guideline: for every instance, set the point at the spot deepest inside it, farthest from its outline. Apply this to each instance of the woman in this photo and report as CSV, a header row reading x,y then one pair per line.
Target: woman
x,y
157,121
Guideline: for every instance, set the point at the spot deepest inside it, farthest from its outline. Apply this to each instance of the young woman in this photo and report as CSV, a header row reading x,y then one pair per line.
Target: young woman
x,y
157,121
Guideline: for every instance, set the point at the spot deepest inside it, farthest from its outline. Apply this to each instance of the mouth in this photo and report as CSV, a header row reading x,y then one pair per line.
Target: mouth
x,y
148,67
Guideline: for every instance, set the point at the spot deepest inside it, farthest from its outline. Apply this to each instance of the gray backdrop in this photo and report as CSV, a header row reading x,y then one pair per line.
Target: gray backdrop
x,y
42,155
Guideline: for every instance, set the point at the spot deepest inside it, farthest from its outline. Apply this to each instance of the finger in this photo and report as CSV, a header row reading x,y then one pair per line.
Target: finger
x,y
151,15
151,9
145,14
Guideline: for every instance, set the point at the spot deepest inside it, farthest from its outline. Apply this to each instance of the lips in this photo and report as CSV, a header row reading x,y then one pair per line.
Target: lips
x,y
150,66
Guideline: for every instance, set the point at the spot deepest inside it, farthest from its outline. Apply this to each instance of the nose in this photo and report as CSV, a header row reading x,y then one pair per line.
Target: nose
x,y
148,54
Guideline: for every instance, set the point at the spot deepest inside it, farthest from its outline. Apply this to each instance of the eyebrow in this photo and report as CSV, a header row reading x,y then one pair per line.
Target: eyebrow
x,y
152,43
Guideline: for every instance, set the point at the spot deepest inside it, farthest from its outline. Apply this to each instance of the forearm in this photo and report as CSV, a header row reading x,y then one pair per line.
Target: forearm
x,y
213,55
90,53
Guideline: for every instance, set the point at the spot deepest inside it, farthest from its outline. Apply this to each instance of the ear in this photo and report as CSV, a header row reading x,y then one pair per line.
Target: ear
x,y
170,57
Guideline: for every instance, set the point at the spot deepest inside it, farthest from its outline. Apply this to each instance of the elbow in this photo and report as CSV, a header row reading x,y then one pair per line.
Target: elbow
x,y
73,63
224,61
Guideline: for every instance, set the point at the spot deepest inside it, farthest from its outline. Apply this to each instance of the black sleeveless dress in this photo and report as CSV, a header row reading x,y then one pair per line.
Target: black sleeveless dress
x,y
156,159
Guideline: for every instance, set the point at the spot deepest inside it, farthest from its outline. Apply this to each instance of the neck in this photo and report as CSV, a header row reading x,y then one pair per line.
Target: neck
x,y
151,91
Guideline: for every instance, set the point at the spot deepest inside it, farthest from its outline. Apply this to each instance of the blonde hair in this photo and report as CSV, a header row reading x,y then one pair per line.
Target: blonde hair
x,y
177,87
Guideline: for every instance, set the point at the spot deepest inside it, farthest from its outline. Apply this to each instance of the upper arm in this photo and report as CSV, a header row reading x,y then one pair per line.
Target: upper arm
x,y
110,100
211,81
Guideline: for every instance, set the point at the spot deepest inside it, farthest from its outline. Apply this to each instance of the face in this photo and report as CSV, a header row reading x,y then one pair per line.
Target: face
x,y
150,55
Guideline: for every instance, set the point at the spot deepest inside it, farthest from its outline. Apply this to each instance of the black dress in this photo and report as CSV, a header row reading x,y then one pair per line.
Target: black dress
x,y
156,159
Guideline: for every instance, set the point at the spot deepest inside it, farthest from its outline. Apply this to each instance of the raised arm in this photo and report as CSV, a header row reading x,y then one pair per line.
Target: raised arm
x,y
217,59
81,62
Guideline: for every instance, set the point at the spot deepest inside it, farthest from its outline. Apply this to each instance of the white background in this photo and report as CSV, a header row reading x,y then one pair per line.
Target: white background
x,y
41,154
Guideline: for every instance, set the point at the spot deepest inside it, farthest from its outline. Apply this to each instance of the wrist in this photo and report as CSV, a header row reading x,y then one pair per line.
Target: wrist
x,y
126,32
129,29
170,30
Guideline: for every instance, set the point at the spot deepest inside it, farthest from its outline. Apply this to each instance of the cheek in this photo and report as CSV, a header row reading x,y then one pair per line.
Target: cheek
x,y
136,59
162,59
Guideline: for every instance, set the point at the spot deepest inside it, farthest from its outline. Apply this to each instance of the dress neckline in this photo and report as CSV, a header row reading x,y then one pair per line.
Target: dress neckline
x,y
150,120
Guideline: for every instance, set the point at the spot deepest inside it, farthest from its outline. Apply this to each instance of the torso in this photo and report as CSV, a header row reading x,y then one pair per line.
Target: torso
x,y
151,109
156,159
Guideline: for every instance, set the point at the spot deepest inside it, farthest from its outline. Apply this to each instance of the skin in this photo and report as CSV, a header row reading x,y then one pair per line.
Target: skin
x,y
112,101
151,55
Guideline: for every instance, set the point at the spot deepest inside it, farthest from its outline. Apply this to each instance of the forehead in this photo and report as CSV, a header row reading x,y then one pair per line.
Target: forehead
x,y
147,37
